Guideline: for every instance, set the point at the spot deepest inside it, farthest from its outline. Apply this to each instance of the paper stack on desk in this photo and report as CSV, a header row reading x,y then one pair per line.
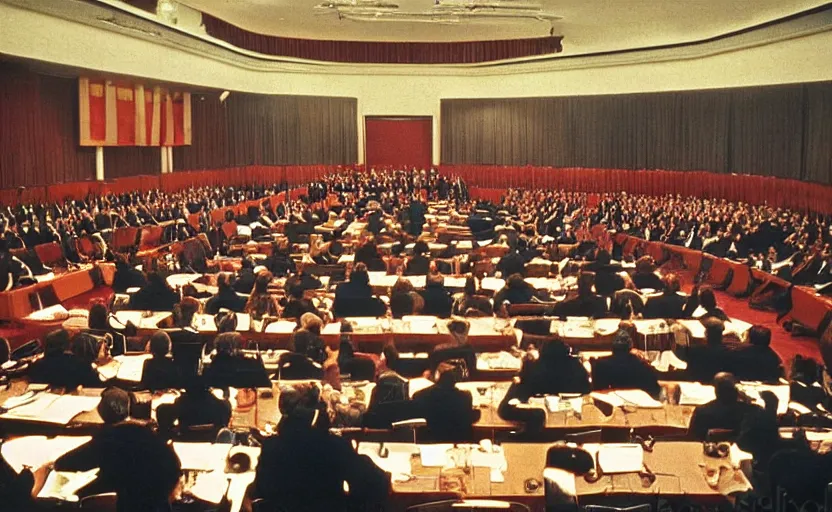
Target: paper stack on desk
x,y
37,451
614,458
694,393
51,408
63,485
131,367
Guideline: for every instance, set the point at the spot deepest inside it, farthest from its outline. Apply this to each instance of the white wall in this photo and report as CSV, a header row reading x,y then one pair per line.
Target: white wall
x,y
384,90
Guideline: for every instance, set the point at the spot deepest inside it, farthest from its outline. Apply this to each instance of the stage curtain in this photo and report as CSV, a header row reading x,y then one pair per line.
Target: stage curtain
x,y
251,129
39,143
399,141
457,52
781,131
817,140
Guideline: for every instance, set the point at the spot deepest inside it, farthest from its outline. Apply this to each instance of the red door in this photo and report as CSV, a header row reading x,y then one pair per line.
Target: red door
x,y
398,142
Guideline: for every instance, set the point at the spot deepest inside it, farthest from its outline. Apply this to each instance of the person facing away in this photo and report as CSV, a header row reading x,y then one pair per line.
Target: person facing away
x,y
156,295
160,372
419,263
587,303
60,368
133,460
355,297
623,369
298,304
226,297
669,304
260,302
725,412
705,361
448,411
438,300
305,467
755,360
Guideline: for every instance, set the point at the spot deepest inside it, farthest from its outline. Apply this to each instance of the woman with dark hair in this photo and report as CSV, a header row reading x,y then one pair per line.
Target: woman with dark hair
x,y
645,275
419,263
155,296
262,303
404,300
707,299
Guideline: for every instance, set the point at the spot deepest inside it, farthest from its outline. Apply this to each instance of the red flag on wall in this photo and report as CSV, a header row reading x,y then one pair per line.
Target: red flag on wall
x,y
123,114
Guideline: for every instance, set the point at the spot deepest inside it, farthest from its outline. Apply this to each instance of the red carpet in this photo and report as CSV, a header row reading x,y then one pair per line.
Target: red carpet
x,y
782,341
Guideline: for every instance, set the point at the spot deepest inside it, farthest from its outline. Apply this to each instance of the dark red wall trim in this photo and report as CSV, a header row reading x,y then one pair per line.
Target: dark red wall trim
x,y
371,52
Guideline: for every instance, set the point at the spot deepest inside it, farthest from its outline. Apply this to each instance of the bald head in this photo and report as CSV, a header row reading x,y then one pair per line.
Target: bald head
x,y
725,387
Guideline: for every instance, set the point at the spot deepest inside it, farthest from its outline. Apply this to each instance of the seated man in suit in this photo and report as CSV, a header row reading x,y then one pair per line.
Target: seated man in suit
x,y
231,368
59,367
705,361
438,300
556,371
515,291
305,467
226,297
449,411
458,349
134,461
197,406
587,303
419,263
355,297
669,304
756,361
645,275
160,372
156,295
623,369
725,412
298,304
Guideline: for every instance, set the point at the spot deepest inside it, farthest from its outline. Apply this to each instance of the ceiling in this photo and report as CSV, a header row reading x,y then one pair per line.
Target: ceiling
x,y
588,26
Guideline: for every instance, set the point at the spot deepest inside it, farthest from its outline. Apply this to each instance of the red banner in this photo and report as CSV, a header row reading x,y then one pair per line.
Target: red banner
x,y
124,114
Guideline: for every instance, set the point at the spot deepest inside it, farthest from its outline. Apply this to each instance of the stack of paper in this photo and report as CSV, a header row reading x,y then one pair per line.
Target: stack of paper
x,y
210,486
620,458
52,408
667,360
638,398
63,485
694,393
435,455
37,451
202,456
131,367
494,459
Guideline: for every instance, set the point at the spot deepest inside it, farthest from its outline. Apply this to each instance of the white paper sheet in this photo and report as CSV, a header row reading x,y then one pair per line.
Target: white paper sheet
x,y
37,451
131,367
435,455
783,394
397,462
667,360
205,323
418,282
620,458
282,327
63,485
694,393
637,397
492,283
202,456
418,384
495,459
608,398
52,408
210,486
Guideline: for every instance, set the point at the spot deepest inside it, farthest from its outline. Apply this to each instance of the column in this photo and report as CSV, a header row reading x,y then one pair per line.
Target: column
x,y
164,161
99,163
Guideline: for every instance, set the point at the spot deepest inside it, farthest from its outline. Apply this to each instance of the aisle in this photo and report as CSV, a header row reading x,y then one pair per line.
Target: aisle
x,y
781,341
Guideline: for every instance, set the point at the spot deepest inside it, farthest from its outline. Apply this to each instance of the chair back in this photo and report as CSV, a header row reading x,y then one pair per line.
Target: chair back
x,y
105,502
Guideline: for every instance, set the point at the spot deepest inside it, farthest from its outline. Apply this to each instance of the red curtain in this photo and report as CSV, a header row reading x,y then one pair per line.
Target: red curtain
x,y
777,192
400,141
457,52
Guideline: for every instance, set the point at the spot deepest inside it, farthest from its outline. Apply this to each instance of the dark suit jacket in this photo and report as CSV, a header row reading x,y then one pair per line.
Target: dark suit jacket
x,y
235,371
705,361
562,374
225,299
511,263
624,371
201,407
666,305
65,371
449,413
593,306
753,363
417,266
245,281
297,307
716,415
438,301
134,462
648,280
160,373
304,469
152,298
353,299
